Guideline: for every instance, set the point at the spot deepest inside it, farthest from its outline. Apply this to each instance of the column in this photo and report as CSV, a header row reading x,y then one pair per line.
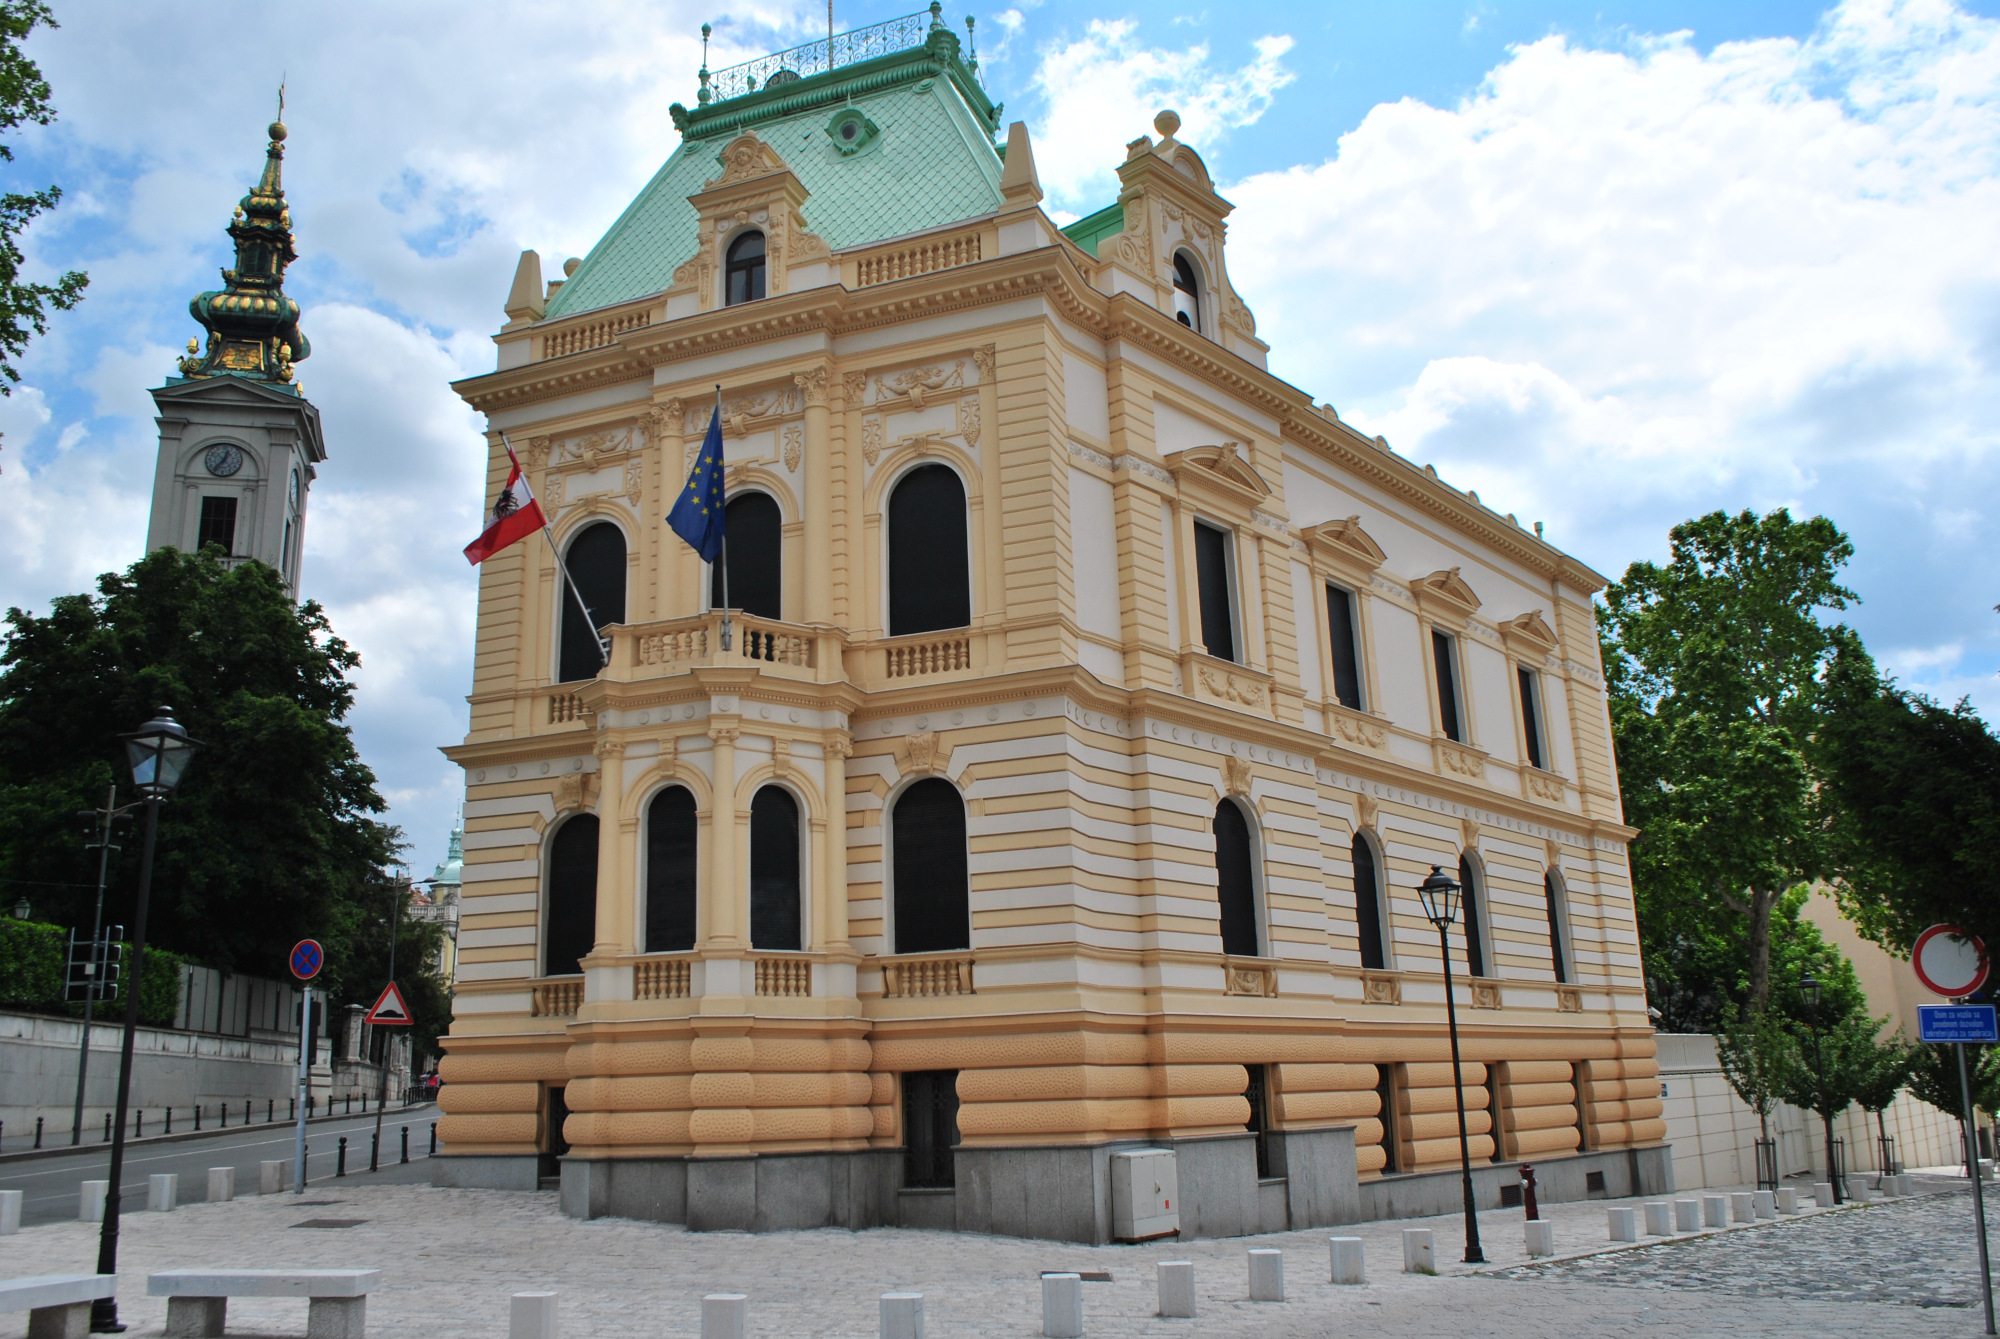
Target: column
x,y
719,918
834,894
614,914
815,475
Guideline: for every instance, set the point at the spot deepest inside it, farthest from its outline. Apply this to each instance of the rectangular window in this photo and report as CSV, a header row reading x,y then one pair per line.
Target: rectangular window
x,y
1531,717
1213,584
1259,1123
218,524
930,1127
1385,1110
1558,950
1346,647
1445,651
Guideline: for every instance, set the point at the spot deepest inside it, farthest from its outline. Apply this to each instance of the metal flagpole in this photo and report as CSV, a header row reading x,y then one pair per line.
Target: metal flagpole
x,y
724,518
603,651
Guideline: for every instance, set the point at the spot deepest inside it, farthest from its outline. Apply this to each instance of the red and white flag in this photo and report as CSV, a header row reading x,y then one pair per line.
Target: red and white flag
x,y
515,516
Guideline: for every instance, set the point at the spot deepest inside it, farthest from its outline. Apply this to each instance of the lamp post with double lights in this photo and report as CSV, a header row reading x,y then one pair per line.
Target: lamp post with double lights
x,y
1809,988
1439,894
157,753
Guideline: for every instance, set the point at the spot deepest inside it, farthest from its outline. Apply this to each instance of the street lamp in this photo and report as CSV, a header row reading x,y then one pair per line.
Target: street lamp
x,y
22,910
157,754
1809,987
1439,894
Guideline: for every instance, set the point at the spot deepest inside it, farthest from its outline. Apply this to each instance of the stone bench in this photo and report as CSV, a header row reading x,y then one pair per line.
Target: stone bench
x,y
58,1305
198,1299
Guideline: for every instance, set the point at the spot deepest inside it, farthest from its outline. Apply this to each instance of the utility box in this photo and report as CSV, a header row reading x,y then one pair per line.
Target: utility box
x,y
1145,1194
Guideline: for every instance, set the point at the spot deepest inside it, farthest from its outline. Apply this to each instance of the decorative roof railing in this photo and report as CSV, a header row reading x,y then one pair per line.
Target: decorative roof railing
x,y
784,67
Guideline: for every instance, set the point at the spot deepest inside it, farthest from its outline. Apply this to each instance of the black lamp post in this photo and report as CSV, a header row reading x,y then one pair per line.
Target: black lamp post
x,y
157,753
1439,894
1810,989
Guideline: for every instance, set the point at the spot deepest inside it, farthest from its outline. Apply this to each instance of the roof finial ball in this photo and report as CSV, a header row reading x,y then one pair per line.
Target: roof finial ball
x,y
1167,122
277,130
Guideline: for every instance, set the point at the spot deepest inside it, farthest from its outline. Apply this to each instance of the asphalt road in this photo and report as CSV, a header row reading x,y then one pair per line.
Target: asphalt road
x,y
53,1184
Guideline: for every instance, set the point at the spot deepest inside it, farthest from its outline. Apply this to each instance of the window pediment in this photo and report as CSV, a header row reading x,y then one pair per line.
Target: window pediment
x,y
1220,473
1344,546
1530,635
1445,594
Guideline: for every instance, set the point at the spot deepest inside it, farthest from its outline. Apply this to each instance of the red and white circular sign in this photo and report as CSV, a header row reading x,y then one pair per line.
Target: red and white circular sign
x,y
1949,961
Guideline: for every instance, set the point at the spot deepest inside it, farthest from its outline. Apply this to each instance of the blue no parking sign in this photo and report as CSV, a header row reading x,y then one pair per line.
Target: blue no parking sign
x,y
1957,1022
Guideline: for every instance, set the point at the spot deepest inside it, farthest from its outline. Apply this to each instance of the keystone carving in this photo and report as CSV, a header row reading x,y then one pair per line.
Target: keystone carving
x,y
1236,776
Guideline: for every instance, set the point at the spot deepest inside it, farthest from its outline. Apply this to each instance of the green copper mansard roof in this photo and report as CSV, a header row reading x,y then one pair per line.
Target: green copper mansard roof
x,y
930,161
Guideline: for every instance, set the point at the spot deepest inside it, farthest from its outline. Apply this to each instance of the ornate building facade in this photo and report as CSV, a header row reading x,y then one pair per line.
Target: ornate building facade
x,y
1095,703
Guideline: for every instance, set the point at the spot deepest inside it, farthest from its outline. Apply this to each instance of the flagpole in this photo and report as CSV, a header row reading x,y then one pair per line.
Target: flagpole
x,y
603,651
725,525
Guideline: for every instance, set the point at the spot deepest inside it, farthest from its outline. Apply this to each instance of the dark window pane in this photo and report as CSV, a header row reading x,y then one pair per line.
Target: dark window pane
x,y
932,896
572,918
1557,949
1472,894
1446,655
744,275
1531,717
754,550
1385,1106
930,1127
1211,569
1259,1123
670,871
1233,881
1346,660
596,561
929,586
1368,906
218,524
774,869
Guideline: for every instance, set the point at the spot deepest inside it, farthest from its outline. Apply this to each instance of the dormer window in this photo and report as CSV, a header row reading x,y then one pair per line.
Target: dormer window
x,y
1187,294
744,274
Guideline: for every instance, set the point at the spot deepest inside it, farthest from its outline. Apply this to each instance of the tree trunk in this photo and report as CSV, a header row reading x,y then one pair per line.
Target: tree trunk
x,y
1760,949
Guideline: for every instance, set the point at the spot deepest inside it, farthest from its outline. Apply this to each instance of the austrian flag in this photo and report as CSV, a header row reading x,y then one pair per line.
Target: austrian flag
x,y
515,516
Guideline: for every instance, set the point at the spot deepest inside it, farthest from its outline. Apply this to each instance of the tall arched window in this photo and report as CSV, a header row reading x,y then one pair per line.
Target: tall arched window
x,y
929,584
744,273
1234,886
670,871
1187,293
754,556
1368,906
570,926
932,894
596,561
774,870
1472,892
1552,888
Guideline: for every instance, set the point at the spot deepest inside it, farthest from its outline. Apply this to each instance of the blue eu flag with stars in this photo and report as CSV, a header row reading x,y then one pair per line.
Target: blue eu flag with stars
x,y
697,513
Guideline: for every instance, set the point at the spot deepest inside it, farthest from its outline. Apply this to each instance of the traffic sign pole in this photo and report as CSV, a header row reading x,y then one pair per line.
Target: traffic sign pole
x,y
1978,1192
307,958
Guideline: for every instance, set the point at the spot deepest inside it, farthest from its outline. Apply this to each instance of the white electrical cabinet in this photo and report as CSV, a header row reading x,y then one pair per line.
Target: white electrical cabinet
x,y
1145,1194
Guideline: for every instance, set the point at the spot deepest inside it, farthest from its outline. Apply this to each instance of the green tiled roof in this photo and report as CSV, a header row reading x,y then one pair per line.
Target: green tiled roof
x,y
933,164
1087,232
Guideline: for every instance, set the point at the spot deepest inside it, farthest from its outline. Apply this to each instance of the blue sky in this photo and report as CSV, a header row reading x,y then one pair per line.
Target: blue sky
x,y
1610,265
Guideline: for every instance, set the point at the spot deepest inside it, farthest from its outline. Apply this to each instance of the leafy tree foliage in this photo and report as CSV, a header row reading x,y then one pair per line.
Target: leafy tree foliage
x,y
1757,1055
24,99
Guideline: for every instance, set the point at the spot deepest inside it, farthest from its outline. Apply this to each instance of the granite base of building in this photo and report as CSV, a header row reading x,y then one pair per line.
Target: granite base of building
x,y
1616,1174
477,1171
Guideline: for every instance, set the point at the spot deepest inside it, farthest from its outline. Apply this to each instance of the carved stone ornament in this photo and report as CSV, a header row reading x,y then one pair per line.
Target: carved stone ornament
x,y
926,752
1366,811
968,420
576,791
1236,776
855,384
740,413
795,446
1220,464
635,481
1351,727
1445,592
1381,988
746,157
984,357
781,757
538,452
1546,786
1468,833
1253,979
871,439
919,382
1247,692
1569,999
552,491
1344,544
1485,994
813,384
1530,634
1463,762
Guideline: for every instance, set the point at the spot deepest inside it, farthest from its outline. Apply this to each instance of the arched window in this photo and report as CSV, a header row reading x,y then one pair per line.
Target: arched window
x,y
774,869
744,275
596,561
570,927
1187,293
1552,888
1472,892
754,555
929,586
1234,887
670,871
1368,906
932,897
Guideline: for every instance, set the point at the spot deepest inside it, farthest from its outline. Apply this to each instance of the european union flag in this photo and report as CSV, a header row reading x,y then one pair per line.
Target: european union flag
x,y
697,515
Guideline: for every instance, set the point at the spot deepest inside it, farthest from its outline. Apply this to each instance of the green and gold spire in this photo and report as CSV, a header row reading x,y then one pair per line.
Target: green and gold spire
x,y
253,328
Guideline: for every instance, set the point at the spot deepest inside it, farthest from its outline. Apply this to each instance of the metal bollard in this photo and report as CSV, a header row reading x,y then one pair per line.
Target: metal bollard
x,y
170,1121
1176,1287
291,1108
107,1127
434,1138
340,1158
532,1316
725,1316
1062,1306
138,1124
350,1105
270,1105
374,1151
1346,1261
197,1118
38,1132
902,1316
406,1145
222,1113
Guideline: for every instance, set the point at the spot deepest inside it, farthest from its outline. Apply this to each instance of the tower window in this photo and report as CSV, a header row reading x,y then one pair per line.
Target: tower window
x,y
1552,888
1234,886
571,925
774,870
1215,588
596,560
744,271
930,586
670,871
755,556
218,524
931,883
1444,649
1368,906
1531,717
1346,647
1473,893
1187,294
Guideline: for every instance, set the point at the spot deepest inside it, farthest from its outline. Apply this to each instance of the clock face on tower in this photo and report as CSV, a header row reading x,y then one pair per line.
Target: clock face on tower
x,y
224,460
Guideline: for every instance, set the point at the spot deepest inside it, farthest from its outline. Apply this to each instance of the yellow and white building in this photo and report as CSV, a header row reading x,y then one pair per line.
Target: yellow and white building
x,y
1093,703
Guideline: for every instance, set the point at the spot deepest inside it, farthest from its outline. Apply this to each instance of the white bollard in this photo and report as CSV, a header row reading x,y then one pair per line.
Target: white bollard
x,y
1660,1219
1767,1204
1176,1287
271,1178
1788,1200
221,1184
1905,1184
1347,1260
1687,1215
10,1212
1267,1276
163,1192
1715,1211
1743,1206
531,1315
1541,1236
902,1316
1624,1223
1062,1306
1418,1255
90,1206
725,1316
1822,1194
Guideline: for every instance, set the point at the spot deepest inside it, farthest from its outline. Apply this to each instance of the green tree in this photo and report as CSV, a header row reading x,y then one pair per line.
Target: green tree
x,y
1714,665
1758,1054
24,99
1884,1076
1934,1078
1835,1059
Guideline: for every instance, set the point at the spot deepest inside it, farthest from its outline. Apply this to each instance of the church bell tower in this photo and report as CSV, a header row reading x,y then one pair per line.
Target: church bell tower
x,y
239,441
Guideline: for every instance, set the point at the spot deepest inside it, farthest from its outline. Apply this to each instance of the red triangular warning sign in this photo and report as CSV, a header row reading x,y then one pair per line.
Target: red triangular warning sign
x,y
389,1008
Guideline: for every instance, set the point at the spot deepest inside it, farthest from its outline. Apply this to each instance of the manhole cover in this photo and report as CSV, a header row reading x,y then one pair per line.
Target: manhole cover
x,y
331,1222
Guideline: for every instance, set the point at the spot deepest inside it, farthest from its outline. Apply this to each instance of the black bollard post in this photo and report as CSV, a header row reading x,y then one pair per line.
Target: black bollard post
x,y
434,1139
138,1123
246,1111
170,1121
270,1107
340,1161
406,1145
38,1132
107,1127
222,1113
374,1149
197,1117
291,1109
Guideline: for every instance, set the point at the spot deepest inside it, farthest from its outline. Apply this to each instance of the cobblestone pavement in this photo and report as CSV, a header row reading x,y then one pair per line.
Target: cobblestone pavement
x,y
450,1258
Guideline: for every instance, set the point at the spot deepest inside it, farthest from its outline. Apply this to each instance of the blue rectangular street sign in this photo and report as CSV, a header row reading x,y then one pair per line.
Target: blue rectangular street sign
x,y
1957,1022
